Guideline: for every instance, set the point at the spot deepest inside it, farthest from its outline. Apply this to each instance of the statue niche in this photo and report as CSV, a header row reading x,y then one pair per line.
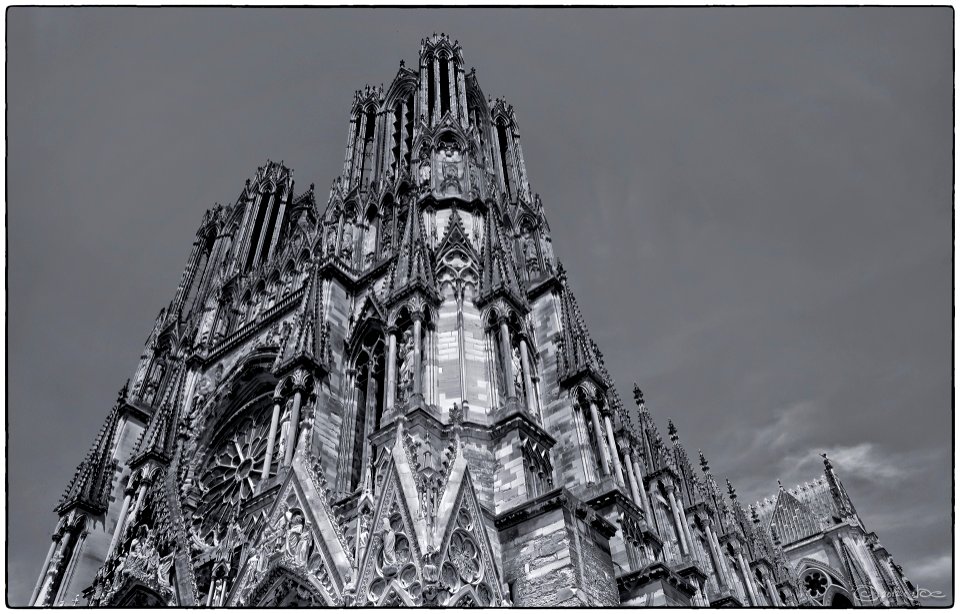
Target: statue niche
x,y
448,168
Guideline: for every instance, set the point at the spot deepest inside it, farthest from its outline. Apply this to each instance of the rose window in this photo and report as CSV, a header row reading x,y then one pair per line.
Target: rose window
x,y
815,583
464,555
229,478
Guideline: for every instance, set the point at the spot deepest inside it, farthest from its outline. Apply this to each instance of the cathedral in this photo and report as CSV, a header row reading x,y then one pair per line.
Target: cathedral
x,y
391,398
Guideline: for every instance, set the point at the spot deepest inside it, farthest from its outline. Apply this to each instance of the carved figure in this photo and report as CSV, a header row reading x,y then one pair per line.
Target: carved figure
x,y
406,366
284,432
517,372
299,540
389,544
424,173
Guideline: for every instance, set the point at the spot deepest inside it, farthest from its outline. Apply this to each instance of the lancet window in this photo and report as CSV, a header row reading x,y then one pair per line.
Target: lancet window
x,y
590,436
198,273
504,148
538,472
369,388
366,155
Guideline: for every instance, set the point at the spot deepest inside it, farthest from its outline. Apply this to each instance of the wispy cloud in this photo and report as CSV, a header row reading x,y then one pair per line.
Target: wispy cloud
x,y
931,569
869,462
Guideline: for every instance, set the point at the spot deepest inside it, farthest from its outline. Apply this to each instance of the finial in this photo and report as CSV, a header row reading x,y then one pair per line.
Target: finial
x,y
637,394
311,187
122,395
672,431
703,462
754,515
779,484
456,415
826,461
731,491
402,63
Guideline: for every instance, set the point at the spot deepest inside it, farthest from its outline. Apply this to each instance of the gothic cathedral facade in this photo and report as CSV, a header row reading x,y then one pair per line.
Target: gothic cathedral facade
x,y
393,399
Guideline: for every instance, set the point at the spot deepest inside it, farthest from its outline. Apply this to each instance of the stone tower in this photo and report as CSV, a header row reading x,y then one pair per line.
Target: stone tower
x,y
392,398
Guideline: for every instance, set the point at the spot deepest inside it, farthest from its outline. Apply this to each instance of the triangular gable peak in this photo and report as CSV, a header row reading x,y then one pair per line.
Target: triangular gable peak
x,y
300,535
466,561
456,237
792,520
393,558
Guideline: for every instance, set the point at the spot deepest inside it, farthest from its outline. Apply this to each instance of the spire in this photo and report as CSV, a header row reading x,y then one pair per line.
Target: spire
x,y
651,442
311,343
158,440
840,497
413,268
577,352
497,272
90,486
672,431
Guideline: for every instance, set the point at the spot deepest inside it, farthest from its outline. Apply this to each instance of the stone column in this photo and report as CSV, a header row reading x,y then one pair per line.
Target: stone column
x,y
645,501
686,527
598,432
271,437
617,467
391,391
747,578
632,477
294,427
71,566
671,494
717,558
370,417
55,541
141,493
527,381
506,351
772,590
462,92
417,356
121,519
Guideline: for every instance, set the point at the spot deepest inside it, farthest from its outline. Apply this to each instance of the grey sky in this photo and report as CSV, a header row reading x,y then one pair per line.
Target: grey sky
x,y
753,204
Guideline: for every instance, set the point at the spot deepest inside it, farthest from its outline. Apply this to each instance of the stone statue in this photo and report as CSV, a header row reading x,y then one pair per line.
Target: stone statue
x,y
299,540
406,366
284,432
389,544
424,173
517,372
164,568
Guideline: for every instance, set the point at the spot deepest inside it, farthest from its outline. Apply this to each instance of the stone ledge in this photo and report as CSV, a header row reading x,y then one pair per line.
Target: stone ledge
x,y
633,581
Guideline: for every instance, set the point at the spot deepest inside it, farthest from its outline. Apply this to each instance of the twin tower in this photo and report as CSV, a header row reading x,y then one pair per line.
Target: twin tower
x,y
393,399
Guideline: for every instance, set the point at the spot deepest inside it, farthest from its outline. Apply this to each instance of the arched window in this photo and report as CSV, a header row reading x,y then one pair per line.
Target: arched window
x,y
504,148
538,472
431,88
366,156
369,370
444,85
594,458
199,274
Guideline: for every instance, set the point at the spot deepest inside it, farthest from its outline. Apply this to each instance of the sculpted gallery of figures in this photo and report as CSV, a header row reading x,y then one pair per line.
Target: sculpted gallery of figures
x,y
392,399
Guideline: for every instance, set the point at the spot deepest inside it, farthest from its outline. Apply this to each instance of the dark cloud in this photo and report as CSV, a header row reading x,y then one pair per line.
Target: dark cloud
x,y
754,205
